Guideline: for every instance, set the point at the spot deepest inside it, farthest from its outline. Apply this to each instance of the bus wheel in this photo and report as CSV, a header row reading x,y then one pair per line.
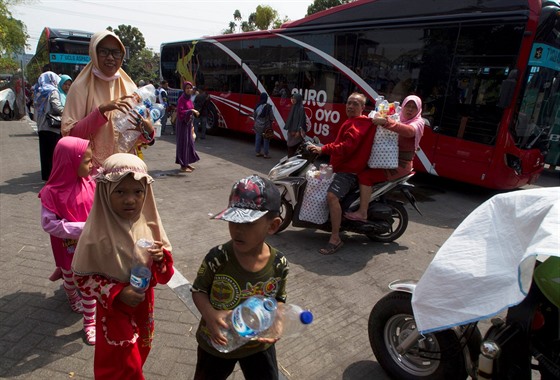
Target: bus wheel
x,y
213,121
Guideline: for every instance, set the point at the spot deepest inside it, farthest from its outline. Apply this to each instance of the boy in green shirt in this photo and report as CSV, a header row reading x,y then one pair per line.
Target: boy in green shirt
x,y
232,272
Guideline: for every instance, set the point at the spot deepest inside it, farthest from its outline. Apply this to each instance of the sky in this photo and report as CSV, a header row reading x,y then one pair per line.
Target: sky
x,y
159,21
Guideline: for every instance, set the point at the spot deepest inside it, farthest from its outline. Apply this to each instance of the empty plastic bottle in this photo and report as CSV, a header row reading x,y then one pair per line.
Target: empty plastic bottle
x,y
141,274
291,320
156,112
247,320
144,97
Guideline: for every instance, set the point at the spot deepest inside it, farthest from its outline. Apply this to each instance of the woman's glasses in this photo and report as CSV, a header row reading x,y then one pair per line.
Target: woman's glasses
x,y
104,52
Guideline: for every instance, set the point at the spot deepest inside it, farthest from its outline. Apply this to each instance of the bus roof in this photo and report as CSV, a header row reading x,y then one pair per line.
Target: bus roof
x,y
362,10
68,33
366,11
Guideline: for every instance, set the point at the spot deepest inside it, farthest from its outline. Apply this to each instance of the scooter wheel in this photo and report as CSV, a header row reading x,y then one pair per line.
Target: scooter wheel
x,y
397,224
286,214
436,356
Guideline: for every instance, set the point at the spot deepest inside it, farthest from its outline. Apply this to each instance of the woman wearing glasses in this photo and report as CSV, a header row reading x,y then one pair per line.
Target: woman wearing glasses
x,y
100,91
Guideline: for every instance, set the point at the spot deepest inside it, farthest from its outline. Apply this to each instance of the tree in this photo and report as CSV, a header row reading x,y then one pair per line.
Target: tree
x,y
144,65
264,17
131,37
321,5
13,37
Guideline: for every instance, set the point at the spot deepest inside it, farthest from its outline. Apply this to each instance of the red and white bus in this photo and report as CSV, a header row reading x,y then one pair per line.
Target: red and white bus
x,y
487,71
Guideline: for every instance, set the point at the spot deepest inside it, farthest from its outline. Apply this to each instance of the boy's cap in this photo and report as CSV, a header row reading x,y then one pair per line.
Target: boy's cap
x,y
250,199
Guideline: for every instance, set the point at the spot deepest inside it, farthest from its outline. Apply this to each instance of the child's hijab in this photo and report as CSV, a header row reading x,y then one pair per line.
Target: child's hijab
x,y
66,194
107,242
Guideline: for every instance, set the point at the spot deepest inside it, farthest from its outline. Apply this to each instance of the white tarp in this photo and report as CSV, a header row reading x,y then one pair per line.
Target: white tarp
x,y
8,95
487,264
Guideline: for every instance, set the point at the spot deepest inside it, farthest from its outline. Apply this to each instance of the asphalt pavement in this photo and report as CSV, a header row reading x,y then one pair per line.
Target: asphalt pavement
x,y
40,338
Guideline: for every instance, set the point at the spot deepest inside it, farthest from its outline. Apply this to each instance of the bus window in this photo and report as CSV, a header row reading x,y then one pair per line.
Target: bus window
x,y
483,59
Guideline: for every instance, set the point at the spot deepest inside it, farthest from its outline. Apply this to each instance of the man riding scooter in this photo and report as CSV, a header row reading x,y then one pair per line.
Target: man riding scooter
x,y
349,154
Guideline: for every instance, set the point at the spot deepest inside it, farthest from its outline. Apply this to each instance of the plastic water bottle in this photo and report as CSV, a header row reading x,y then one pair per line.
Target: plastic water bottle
x,y
140,274
142,99
247,320
156,112
291,320
329,171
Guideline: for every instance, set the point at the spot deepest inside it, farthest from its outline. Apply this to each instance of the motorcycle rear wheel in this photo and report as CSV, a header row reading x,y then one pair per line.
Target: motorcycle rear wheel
x,y
435,356
286,214
398,227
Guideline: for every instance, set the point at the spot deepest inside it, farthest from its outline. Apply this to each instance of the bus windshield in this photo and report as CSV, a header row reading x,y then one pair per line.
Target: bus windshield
x,y
62,51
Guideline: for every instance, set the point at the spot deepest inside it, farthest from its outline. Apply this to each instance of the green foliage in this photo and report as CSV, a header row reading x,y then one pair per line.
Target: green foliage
x,y
131,37
8,65
265,16
144,65
13,33
321,5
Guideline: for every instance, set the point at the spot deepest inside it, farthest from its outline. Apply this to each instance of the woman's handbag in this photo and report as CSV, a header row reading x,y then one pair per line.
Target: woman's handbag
x,y
53,121
268,133
384,150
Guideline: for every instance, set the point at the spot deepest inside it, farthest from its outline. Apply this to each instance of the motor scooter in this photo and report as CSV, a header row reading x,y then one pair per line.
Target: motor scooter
x,y
487,270
387,218
7,103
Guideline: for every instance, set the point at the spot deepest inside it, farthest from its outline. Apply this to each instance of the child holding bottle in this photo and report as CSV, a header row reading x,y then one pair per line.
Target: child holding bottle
x,y
66,201
124,211
243,267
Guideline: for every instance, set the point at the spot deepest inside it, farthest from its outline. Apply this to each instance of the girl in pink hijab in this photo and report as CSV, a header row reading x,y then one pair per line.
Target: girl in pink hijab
x,y
410,129
66,200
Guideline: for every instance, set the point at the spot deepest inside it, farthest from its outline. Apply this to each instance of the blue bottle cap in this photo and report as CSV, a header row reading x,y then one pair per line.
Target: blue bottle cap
x,y
306,317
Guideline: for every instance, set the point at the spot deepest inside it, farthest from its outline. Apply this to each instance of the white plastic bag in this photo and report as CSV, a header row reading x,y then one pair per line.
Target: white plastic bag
x,y
314,206
384,150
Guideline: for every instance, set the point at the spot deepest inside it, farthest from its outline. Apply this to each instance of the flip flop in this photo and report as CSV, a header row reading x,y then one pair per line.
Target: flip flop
x,y
355,218
331,248
186,170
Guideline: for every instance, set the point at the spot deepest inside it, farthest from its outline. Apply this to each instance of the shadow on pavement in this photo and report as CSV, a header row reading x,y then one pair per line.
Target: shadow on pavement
x,y
357,251
364,370
36,331
30,182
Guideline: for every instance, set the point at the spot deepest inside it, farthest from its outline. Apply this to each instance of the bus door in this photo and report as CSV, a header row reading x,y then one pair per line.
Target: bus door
x,y
468,127
470,123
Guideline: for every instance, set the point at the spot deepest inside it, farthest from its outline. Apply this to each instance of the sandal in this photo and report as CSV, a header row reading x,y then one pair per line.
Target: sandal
x,y
354,217
259,155
266,156
90,335
331,248
190,167
186,170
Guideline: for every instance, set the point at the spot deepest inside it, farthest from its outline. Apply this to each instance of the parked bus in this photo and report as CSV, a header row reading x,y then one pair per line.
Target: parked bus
x,y
487,71
62,51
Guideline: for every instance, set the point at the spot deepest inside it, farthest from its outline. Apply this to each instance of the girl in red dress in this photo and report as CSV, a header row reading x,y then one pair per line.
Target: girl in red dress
x,y
123,212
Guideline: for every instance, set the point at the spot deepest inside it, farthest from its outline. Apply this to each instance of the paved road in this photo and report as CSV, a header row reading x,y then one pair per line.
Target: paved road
x,y
41,338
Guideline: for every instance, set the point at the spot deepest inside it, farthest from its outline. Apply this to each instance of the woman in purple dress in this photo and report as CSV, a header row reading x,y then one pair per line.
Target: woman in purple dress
x,y
185,153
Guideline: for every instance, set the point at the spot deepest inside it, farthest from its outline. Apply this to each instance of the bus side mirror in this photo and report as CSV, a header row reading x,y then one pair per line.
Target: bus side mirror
x,y
507,89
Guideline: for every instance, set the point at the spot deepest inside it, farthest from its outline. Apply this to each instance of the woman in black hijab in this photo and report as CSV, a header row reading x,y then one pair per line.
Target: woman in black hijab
x,y
295,124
